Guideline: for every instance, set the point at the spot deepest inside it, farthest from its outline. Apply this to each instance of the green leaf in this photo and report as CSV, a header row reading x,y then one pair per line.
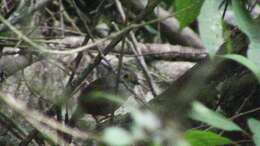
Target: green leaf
x,y
254,52
187,11
205,138
201,113
146,119
251,27
116,136
254,126
210,26
246,62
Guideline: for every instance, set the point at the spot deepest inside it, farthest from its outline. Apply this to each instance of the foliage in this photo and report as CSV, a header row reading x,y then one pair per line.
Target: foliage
x,y
58,70
112,134
210,26
254,126
205,138
203,114
187,11
251,27
246,62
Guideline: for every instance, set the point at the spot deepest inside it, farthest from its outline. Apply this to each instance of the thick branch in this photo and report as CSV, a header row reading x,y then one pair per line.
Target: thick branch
x,y
171,27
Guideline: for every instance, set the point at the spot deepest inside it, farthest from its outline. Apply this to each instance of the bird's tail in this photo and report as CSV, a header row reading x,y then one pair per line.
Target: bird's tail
x,y
77,114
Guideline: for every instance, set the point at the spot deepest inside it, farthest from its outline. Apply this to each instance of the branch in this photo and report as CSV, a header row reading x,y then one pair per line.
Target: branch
x,y
171,27
18,16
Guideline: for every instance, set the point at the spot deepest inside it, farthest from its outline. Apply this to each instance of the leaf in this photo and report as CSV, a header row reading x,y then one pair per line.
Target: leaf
x,y
254,52
246,62
251,27
146,120
205,138
187,11
210,26
201,113
116,136
254,126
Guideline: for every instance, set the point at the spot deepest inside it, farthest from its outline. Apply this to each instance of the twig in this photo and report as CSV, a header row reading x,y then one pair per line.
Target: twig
x,y
11,126
120,10
13,19
62,26
142,63
46,50
29,138
116,38
149,8
120,65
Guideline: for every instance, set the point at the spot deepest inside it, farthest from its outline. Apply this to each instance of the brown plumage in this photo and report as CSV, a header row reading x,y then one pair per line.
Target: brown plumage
x,y
97,105
93,100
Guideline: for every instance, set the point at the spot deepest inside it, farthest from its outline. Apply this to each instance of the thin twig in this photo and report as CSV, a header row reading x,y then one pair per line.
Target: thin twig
x,y
120,10
14,18
141,61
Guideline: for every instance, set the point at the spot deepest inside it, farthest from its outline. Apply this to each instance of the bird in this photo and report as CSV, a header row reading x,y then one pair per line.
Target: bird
x,y
93,97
